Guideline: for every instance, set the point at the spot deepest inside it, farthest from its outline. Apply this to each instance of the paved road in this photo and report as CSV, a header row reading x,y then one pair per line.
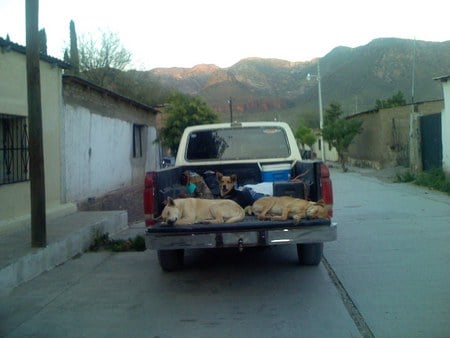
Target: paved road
x,y
219,294
386,276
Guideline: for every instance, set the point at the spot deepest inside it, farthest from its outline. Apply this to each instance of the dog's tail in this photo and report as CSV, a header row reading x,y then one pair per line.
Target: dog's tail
x,y
248,210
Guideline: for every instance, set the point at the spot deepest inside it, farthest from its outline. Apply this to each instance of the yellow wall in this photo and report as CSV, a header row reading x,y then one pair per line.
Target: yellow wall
x,y
15,198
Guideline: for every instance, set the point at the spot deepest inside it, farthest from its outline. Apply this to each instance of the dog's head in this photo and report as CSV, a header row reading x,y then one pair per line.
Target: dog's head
x,y
170,213
317,210
226,183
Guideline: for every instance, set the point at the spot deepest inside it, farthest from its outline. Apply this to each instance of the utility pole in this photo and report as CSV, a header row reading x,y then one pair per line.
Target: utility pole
x,y
319,80
230,103
413,76
319,87
36,149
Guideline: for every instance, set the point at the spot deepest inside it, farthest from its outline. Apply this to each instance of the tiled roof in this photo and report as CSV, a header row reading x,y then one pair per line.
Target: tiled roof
x,y
6,46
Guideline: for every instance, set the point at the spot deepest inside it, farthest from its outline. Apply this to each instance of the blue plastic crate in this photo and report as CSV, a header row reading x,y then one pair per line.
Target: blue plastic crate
x,y
275,175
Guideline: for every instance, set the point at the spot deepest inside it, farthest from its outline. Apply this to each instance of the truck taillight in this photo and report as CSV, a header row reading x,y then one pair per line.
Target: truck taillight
x,y
149,198
327,187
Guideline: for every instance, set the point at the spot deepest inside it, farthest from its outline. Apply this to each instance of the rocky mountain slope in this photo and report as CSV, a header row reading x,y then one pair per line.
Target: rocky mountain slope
x,y
353,77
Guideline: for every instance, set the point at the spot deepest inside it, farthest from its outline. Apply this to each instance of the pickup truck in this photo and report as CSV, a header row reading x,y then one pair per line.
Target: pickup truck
x,y
260,154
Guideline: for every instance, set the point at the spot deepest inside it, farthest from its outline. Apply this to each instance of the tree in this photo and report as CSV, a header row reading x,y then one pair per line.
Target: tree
x,y
99,58
42,42
306,136
74,56
139,86
103,64
395,101
340,132
184,111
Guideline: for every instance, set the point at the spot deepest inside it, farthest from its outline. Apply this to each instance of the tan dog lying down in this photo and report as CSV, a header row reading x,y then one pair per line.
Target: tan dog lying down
x,y
280,208
197,210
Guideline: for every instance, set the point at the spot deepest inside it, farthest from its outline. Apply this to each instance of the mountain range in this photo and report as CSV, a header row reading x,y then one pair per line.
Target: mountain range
x,y
353,77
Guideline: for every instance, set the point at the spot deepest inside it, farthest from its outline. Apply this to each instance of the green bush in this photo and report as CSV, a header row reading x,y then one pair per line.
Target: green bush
x,y
433,179
102,241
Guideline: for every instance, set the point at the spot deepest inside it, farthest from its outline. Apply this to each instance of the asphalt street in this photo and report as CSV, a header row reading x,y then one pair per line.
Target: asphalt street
x,y
393,254
219,294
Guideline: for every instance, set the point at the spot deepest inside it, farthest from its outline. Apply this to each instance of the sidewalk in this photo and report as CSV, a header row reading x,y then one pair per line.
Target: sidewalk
x,y
67,237
388,174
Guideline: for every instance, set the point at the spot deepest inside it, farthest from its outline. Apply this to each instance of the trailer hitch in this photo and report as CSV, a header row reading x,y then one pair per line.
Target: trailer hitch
x,y
241,245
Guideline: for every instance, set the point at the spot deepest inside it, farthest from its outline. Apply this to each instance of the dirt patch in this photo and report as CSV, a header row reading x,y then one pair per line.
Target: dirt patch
x,y
129,199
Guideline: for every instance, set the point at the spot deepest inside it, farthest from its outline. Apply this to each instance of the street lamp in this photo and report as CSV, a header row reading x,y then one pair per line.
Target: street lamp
x,y
308,77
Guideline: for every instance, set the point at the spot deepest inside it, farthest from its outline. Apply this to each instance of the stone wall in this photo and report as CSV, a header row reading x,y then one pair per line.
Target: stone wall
x,y
385,139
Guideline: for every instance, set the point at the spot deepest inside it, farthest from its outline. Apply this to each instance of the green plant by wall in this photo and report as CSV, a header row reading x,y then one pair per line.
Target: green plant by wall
x,y
434,179
103,242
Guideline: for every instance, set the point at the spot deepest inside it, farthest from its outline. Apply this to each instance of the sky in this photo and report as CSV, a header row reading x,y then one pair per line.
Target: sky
x,y
185,33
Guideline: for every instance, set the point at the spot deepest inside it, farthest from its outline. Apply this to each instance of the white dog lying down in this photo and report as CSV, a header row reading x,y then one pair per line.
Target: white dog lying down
x,y
197,210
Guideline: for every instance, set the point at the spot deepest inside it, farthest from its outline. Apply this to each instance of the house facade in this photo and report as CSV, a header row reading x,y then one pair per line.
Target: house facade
x,y
329,152
95,141
445,123
14,161
108,141
387,139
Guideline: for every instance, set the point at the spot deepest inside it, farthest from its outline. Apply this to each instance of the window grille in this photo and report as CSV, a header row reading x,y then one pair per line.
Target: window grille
x,y
14,155
137,140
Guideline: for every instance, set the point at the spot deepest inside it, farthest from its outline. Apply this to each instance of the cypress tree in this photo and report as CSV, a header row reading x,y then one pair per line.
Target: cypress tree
x,y
74,55
42,41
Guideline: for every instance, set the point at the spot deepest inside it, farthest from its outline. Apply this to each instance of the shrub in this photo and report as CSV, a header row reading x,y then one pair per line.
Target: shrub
x,y
434,179
102,241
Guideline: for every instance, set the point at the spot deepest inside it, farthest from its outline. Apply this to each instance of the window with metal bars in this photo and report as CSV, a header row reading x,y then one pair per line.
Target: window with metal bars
x,y
14,155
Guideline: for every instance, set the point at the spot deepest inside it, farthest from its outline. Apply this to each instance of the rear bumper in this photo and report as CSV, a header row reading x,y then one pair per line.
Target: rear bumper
x,y
238,235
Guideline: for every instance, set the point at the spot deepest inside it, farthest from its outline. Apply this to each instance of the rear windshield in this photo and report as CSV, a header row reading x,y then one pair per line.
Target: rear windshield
x,y
238,144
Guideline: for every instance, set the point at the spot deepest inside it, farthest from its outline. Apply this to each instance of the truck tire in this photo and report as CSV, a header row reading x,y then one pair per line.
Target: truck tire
x,y
310,253
171,260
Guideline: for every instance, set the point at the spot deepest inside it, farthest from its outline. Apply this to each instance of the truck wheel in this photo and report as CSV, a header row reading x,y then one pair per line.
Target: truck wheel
x,y
171,260
310,254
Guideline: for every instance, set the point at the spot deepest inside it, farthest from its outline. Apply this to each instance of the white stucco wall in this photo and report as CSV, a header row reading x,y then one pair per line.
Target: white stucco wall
x,y
330,154
445,120
153,154
98,154
98,151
